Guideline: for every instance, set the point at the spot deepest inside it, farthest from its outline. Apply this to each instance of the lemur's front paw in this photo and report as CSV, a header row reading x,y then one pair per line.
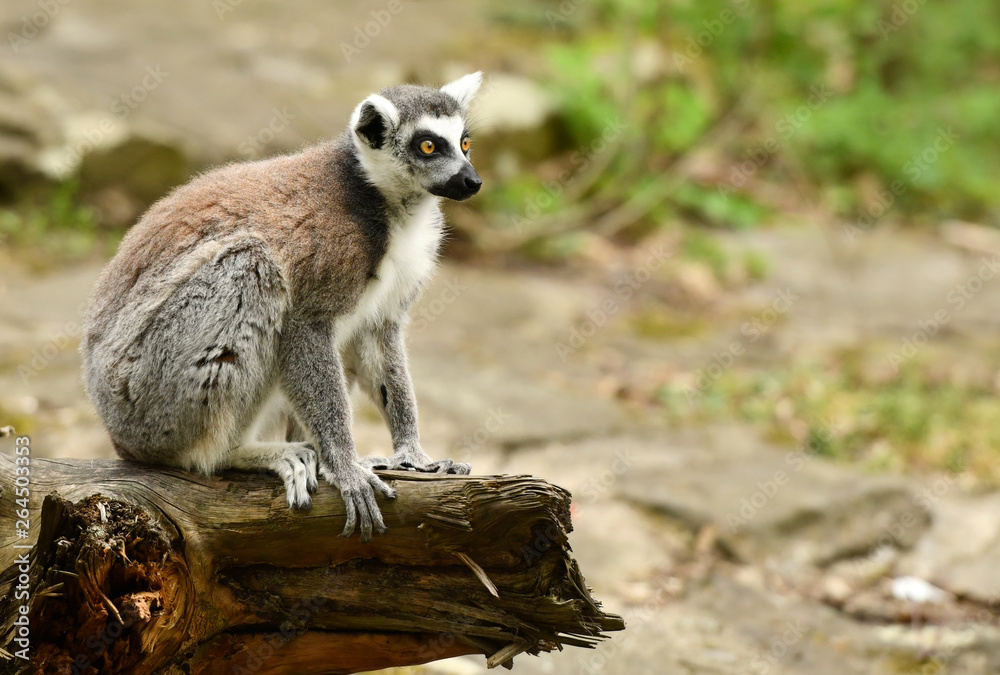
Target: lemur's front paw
x,y
449,466
382,464
358,485
416,460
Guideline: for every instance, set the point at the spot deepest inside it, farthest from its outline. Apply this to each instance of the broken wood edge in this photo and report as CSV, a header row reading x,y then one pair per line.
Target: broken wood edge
x,y
56,515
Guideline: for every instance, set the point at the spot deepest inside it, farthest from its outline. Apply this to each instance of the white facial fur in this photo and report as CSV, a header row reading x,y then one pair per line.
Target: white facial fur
x,y
448,128
388,168
382,168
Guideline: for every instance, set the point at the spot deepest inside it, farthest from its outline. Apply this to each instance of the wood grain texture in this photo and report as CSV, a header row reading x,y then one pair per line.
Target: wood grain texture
x,y
145,570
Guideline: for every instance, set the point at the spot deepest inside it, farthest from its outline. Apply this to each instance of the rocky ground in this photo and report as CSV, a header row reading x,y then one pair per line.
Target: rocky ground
x,y
727,552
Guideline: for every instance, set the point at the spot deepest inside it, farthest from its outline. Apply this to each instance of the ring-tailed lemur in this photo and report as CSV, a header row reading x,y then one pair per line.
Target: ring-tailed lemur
x,y
284,279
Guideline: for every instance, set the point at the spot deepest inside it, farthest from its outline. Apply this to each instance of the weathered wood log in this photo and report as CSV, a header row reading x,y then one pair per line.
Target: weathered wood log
x,y
143,570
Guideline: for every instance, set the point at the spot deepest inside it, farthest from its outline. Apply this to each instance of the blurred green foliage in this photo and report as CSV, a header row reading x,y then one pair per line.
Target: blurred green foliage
x,y
740,111
54,230
920,417
860,107
732,113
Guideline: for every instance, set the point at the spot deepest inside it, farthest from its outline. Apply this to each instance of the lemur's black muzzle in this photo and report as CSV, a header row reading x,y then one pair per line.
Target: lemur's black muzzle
x,y
461,186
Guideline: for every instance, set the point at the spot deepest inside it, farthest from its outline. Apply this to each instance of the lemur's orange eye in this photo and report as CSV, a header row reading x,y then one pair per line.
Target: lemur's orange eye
x,y
465,144
427,147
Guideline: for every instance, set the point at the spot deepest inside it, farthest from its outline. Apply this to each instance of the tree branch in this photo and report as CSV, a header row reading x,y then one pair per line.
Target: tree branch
x,y
144,570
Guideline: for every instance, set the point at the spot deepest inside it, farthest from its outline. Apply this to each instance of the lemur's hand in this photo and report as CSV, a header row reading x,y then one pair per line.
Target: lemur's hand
x,y
415,459
358,485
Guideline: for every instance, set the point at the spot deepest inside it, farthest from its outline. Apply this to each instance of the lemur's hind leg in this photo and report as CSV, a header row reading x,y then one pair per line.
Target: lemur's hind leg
x,y
181,374
377,359
206,367
256,356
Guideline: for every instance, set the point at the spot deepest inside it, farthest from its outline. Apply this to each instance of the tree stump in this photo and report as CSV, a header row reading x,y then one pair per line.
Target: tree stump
x,y
143,570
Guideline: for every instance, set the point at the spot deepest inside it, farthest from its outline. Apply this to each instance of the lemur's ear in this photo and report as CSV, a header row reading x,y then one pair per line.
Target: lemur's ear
x,y
373,119
464,88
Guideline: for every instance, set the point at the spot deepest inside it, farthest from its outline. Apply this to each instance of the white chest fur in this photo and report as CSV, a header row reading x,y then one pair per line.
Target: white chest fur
x,y
409,261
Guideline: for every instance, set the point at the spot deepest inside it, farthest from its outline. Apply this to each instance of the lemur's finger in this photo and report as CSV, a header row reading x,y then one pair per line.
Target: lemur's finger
x,y
298,497
352,514
302,499
311,460
301,478
376,512
381,486
440,466
461,469
364,513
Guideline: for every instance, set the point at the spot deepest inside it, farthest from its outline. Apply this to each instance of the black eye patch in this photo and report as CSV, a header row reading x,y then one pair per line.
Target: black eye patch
x,y
441,146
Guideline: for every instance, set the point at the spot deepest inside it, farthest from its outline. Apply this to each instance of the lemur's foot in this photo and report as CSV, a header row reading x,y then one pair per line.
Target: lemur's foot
x,y
300,475
358,485
411,461
295,464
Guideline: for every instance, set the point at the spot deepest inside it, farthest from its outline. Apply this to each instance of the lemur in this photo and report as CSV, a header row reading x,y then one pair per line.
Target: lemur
x,y
284,280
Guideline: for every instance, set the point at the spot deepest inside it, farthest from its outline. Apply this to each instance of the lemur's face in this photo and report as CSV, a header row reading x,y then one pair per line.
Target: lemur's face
x,y
416,139
439,157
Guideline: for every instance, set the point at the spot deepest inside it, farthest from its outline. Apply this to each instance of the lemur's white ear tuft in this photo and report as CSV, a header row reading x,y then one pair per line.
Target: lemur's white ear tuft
x,y
373,118
464,88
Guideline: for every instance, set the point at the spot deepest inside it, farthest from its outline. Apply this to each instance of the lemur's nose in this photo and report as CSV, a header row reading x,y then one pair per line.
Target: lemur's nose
x,y
470,179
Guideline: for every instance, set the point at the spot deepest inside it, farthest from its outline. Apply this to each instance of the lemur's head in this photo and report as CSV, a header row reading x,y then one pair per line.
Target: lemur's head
x,y
413,139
